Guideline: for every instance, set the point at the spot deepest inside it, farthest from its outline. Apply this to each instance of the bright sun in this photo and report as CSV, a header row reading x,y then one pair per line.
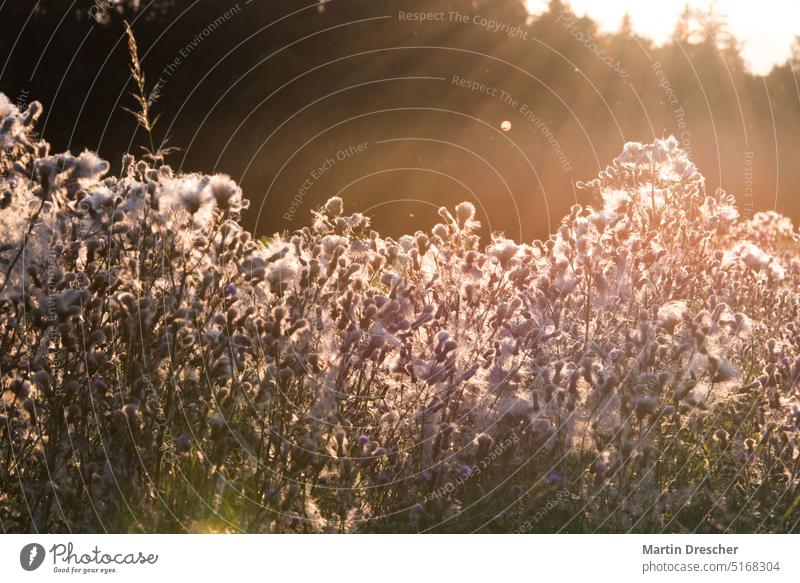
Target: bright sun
x,y
766,34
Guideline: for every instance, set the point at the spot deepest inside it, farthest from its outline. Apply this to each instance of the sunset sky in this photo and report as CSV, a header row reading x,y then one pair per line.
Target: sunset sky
x,y
766,30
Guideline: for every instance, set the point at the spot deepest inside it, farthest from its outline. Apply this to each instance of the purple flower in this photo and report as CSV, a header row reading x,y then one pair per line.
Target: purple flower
x,y
230,290
363,440
183,443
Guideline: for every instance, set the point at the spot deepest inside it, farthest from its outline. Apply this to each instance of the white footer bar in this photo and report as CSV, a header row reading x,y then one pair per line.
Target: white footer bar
x,y
390,558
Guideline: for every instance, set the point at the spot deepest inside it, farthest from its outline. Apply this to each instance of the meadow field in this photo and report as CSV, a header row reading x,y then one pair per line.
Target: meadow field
x,y
163,370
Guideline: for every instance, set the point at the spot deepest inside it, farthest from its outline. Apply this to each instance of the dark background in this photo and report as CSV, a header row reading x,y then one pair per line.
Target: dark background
x,y
279,87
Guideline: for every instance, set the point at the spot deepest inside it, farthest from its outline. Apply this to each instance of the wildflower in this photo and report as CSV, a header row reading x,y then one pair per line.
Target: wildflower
x,y
90,166
30,407
722,370
754,258
671,314
633,152
131,412
644,405
484,443
334,206
503,250
191,194
42,380
721,436
7,109
226,193
182,443
349,373
615,200
465,212
440,232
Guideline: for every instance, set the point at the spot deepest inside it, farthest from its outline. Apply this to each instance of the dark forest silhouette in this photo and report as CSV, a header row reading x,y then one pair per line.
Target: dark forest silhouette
x,y
352,72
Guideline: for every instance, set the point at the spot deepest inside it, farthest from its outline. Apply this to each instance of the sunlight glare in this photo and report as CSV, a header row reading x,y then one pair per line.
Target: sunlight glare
x,y
766,34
